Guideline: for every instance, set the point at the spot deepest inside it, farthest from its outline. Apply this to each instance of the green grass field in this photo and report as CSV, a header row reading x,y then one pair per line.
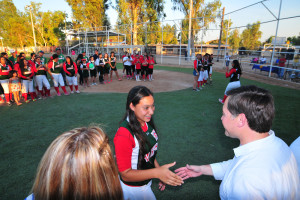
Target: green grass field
x,y
188,123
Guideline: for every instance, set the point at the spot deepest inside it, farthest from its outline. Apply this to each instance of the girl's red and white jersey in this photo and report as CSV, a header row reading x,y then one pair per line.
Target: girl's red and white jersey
x,y
127,147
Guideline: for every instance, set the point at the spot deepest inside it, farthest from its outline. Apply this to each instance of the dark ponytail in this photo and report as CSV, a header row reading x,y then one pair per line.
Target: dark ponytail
x,y
134,97
237,66
21,65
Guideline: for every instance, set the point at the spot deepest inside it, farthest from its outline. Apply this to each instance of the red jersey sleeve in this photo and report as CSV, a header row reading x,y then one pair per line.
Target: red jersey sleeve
x,y
230,72
124,143
20,73
16,67
75,66
50,64
195,64
65,68
5,73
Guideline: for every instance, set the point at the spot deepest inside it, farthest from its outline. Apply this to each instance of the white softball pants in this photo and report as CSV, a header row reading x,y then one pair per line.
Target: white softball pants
x,y
138,193
42,80
58,79
27,86
5,85
72,80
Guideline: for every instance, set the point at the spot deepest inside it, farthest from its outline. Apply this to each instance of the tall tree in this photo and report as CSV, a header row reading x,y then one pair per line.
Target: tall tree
x,y
136,12
205,12
16,28
169,34
226,30
234,40
250,36
12,25
89,13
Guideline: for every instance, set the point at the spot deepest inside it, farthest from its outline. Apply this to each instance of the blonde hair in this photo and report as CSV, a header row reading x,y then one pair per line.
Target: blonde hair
x,y
78,165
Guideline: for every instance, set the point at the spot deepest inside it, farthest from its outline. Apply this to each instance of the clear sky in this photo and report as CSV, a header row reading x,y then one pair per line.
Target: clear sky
x,y
255,13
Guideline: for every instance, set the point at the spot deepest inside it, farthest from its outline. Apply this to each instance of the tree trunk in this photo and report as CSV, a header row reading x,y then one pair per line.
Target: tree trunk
x,y
193,42
134,28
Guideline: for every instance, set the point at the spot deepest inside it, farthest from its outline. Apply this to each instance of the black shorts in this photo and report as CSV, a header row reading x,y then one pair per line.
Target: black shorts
x,y
93,72
144,70
85,73
150,71
106,70
113,69
138,71
133,68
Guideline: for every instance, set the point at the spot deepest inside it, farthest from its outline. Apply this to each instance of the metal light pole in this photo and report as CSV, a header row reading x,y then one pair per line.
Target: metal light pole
x,y
30,10
190,29
272,58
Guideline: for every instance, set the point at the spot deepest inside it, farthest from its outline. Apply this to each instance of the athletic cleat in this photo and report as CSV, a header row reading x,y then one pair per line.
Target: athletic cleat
x,y
40,97
9,104
77,91
27,101
221,101
58,94
33,100
72,92
66,94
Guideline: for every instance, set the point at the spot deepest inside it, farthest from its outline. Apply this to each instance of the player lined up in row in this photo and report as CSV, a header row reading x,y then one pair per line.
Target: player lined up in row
x,y
31,76
202,70
134,65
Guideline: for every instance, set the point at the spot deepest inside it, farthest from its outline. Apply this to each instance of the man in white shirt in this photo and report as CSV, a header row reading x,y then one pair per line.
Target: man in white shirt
x,y
295,147
263,166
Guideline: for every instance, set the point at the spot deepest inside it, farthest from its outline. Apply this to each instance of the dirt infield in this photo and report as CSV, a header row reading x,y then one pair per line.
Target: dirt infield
x,y
163,81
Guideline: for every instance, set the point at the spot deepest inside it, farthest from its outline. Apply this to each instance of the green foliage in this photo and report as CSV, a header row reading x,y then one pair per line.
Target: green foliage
x,y
269,40
89,13
226,30
136,12
250,36
16,29
295,40
169,34
209,10
12,25
234,40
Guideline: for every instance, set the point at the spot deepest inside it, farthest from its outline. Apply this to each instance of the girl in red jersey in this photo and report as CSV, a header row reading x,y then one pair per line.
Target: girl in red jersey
x,y
4,79
136,143
144,67
150,68
26,72
137,62
235,75
71,70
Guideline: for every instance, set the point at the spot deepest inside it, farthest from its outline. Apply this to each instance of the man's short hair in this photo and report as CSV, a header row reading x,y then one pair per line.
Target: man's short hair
x,y
256,103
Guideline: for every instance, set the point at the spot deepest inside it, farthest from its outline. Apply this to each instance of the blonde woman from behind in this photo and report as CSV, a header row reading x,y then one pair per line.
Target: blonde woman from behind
x,y
78,165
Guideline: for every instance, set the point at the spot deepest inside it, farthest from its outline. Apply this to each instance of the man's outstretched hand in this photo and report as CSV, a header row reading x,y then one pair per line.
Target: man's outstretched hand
x,y
189,171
